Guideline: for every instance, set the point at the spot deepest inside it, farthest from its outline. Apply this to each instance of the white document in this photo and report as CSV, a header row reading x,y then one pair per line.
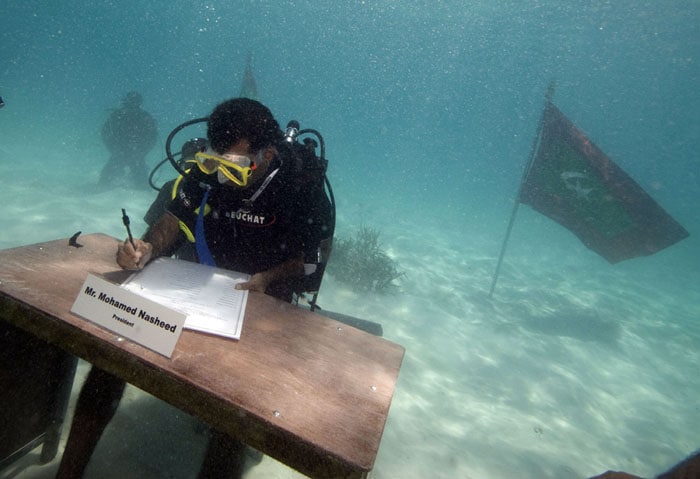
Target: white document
x,y
207,295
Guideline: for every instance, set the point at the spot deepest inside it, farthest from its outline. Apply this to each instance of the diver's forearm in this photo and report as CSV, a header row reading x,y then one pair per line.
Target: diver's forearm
x,y
162,234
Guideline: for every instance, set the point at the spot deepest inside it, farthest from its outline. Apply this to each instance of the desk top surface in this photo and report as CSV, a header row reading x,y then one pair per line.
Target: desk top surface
x,y
305,389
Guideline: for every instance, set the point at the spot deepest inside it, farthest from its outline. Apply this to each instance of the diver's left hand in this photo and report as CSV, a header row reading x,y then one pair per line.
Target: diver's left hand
x,y
258,282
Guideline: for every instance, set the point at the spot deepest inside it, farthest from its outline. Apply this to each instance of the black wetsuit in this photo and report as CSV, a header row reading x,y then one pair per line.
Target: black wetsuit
x,y
285,220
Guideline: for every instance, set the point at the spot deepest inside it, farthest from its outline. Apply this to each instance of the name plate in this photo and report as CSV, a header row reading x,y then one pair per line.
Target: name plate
x,y
127,314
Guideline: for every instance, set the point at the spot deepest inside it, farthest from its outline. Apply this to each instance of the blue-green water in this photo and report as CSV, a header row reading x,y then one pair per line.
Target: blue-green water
x,y
429,111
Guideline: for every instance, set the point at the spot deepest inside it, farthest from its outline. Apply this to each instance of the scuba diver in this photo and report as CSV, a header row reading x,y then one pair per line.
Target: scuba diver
x,y
251,199
302,170
129,134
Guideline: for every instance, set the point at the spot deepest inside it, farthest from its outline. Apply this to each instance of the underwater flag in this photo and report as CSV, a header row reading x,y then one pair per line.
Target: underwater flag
x,y
574,183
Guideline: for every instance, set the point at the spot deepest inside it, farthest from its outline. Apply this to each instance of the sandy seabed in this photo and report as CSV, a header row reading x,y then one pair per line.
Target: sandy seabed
x,y
572,368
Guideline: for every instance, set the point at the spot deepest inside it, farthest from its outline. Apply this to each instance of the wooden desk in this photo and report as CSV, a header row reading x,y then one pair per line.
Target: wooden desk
x,y
306,390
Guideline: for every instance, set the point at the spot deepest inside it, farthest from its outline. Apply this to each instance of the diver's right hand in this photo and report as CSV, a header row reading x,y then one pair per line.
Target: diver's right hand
x,y
130,258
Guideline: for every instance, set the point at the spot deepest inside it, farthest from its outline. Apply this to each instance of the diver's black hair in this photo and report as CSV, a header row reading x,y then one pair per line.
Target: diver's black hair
x,y
242,118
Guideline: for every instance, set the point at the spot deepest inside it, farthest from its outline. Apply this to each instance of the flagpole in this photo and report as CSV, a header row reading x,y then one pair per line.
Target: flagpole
x,y
533,152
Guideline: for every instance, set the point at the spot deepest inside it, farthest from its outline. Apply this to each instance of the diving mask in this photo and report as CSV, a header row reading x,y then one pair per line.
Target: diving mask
x,y
228,167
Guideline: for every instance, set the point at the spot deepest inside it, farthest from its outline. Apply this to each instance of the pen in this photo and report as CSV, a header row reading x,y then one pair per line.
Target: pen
x,y
125,219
